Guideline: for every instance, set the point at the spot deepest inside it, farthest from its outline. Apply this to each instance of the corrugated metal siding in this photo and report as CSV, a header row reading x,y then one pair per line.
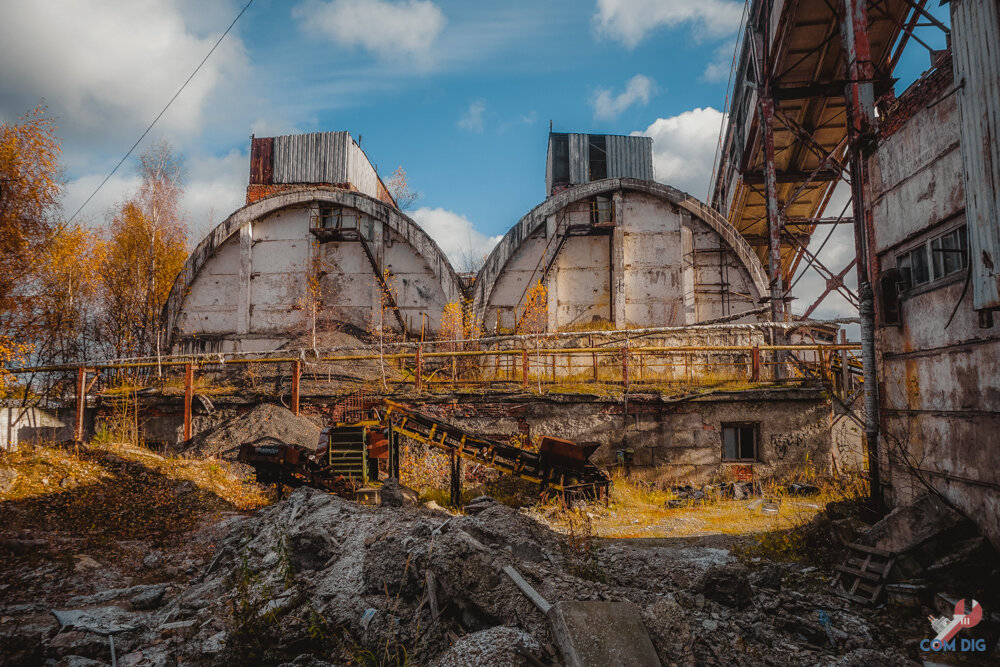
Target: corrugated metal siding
x,y
975,38
548,168
360,172
320,157
579,158
630,157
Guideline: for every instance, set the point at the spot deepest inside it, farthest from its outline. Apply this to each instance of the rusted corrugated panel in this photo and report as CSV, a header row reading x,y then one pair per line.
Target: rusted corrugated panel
x,y
579,158
261,161
630,157
975,41
319,157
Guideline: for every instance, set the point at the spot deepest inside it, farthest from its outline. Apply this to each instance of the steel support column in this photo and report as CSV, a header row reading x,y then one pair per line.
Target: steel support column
x,y
765,108
188,395
81,404
861,130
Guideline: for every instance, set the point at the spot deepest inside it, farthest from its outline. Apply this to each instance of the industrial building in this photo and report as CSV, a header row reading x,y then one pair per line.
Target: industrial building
x,y
319,247
616,250
815,106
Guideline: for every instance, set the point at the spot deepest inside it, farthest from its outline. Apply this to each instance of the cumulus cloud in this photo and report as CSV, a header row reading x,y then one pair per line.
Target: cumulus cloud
x,y
630,21
106,67
387,29
465,246
718,70
684,148
608,106
472,119
215,187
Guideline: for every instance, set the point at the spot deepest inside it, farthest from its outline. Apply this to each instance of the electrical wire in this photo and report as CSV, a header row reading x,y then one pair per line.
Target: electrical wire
x,y
163,111
740,36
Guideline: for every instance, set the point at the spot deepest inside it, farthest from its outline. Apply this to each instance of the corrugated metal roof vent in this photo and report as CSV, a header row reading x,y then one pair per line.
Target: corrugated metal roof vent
x,y
575,159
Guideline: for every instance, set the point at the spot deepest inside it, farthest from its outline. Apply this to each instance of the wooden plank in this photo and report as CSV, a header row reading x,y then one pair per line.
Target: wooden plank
x,y
871,576
871,550
526,588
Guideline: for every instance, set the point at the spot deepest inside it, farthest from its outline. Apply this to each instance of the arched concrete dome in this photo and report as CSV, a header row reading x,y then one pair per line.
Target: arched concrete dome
x,y
250,285
621,253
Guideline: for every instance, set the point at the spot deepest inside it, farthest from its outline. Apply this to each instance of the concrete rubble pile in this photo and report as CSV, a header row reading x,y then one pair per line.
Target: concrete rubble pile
x,y
315,578
264,424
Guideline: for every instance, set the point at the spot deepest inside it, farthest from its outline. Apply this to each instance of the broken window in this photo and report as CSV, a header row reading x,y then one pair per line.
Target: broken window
x,y
598,157
560,159
949,253
602,212
914,266
940,257
739,442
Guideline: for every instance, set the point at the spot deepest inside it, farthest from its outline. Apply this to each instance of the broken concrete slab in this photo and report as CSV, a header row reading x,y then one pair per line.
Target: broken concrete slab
x,y
595,634
907,527
149,598
102,620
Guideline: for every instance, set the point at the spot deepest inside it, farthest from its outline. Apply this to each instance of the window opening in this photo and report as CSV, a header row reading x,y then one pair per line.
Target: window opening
x,y
739,441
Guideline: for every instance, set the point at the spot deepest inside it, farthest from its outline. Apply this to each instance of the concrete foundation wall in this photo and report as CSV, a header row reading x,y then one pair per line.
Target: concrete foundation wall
x,y
940,370
671,441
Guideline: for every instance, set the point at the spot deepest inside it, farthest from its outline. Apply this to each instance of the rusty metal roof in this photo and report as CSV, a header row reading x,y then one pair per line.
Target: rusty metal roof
x,y
810,120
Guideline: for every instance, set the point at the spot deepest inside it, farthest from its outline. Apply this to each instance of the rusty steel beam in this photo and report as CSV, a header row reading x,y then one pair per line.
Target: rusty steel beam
x,y
783,177
812,91
861,130
806,137
827,274
765,109
81,403
188,395
904,39
834,282
296,379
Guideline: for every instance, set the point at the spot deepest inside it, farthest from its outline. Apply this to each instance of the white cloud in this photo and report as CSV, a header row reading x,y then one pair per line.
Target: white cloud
x,y
214,188
107,68
387,29
458,237
608,107
113,193
472,119
630,21
684,148
718,70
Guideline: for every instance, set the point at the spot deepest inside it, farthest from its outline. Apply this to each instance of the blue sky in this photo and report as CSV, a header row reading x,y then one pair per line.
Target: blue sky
x,y
460,93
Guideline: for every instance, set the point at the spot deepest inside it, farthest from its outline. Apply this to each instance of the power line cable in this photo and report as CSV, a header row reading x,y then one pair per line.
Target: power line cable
x,y
163,111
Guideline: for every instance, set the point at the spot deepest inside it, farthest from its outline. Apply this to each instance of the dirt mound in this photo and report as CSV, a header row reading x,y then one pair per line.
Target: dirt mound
x,y
264,424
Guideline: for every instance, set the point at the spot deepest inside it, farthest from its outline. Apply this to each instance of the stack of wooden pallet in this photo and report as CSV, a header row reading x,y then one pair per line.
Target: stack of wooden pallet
x,y
865,573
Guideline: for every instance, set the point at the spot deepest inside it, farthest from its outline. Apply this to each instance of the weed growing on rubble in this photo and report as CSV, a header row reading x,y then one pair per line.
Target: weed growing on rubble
x,y
253,630
581,554
285,568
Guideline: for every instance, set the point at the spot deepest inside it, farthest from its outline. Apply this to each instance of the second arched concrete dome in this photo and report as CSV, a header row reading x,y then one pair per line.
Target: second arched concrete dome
x,y
619,253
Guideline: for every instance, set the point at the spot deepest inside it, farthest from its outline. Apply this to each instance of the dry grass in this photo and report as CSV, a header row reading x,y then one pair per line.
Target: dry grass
x,y
113,491
636,510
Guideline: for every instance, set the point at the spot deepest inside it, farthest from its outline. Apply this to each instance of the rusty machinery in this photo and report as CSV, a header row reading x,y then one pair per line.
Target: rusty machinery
x,y
349,453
